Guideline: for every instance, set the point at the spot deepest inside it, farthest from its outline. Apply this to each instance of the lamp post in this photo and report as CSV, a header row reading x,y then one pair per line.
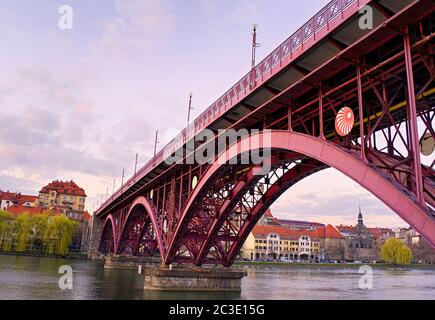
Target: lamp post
x,y
190,108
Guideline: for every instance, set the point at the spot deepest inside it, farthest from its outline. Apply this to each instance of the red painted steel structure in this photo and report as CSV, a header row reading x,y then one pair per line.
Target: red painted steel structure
x,y
385,75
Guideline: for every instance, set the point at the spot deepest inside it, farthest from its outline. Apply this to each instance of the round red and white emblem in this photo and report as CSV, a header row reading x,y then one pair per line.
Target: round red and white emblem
x,y
344,121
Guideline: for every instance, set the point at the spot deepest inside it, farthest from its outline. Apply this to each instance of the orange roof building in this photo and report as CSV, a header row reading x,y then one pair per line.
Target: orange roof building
x,y
87,216
290,234
8,199
64,187
272,240
332,233
16,210
66,195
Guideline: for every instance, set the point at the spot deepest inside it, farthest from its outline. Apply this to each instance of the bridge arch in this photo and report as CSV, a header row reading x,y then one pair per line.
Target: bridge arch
x,y
108,236
331,155
149,224
301,170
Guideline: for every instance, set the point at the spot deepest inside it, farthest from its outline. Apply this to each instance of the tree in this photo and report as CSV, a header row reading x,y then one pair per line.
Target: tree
x,y
49,237
335,249
395,252
44,232
22,230
39,227
64,229
6,220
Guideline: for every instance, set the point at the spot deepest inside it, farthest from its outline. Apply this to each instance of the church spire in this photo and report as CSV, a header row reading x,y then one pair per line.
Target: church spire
x,y
360,217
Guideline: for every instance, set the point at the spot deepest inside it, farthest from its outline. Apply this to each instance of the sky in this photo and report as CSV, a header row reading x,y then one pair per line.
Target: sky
x,y
79,104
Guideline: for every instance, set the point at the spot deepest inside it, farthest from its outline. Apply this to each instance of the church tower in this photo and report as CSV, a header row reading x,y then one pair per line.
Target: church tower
x,y
360,219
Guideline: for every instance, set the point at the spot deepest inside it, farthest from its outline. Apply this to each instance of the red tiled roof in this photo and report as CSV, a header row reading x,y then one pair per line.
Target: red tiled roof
x,y
286,233
268,214
16,197
300,223
378,232
18,209
26,198
319,232
6,195
86,216
283,232
343,228
64,187
331,232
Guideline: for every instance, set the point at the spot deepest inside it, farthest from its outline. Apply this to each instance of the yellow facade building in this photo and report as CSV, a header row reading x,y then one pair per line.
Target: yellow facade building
x,y
279,242
65,195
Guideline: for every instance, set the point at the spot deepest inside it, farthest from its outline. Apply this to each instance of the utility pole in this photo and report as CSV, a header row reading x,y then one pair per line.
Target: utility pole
x,y
135,164
255,45
107,193
122,178
155,142
113,191
190,108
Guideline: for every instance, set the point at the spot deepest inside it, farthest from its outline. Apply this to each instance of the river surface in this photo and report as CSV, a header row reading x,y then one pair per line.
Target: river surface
x,y
38,278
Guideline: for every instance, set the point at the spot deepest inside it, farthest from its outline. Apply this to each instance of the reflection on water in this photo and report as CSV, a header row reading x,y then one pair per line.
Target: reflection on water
x,y
37,278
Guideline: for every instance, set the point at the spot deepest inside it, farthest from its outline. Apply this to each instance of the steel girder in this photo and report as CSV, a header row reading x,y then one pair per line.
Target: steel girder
x,y
134,230
207,223
192,243
108,236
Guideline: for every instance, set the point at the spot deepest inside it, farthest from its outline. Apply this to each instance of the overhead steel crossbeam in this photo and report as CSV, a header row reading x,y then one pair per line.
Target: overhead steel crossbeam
x,y
202,213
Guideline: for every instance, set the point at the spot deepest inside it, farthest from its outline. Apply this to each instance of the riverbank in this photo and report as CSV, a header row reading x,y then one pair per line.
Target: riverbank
x,y
259,264
328,265
30,278
74,255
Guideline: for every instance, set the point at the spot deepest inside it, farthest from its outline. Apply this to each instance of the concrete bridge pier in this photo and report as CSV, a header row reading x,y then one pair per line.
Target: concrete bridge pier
x,y
186,278
95,226
123,262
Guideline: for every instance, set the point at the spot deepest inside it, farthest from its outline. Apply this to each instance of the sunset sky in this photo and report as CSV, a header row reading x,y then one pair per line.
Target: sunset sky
x,y
78,104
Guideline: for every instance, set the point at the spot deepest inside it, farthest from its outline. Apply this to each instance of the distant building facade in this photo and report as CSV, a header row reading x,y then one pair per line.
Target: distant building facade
x,y
422,251
57,198
269,220
9,199
275,242
273,239
66,196
363,243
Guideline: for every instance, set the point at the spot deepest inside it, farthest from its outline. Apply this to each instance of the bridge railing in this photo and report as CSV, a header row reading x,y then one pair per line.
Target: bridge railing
x,y
241,89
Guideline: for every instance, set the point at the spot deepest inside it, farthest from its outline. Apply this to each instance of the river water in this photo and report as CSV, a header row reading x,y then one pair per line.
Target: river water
x,y
37,278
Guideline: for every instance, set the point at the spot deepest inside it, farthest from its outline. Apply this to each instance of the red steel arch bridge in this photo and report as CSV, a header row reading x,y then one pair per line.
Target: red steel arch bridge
x,y
201,213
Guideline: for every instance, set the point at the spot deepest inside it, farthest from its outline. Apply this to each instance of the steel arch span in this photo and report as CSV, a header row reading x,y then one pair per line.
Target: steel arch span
x,y
384,78
193,237
140,232
108,236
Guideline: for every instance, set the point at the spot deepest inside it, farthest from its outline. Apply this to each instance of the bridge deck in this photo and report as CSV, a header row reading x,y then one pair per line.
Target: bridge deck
x,y
324,46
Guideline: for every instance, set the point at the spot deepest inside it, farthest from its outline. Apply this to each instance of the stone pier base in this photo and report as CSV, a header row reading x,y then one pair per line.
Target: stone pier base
x,y
93,238
185,279
128,262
